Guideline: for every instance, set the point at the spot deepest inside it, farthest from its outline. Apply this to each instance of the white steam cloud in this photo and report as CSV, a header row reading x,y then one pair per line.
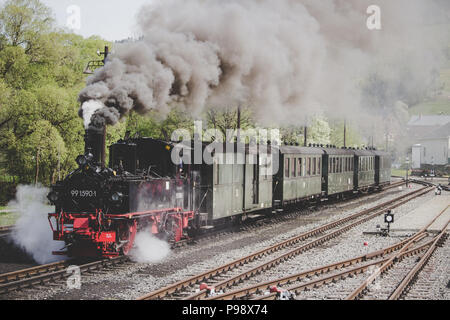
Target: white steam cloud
x,y
32,230
88,109
148,249
285,59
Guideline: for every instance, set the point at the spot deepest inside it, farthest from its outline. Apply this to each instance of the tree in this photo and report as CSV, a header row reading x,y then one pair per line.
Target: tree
x,y
319,131
228,119
41,74
38,156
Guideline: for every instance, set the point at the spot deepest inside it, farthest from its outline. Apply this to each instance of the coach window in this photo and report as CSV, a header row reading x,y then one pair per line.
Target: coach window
x,y
294,167
319,171
286,167
299,167
217,171
308,166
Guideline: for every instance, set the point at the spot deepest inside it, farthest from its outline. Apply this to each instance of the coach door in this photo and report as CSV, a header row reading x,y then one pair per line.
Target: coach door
x,y
251,182
377,169
325,159
256,182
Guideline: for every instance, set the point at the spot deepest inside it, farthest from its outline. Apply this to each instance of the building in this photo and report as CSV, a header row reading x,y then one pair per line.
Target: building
x,y
431,138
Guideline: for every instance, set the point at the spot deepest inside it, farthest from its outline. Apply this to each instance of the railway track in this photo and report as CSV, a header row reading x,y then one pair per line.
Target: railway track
x,y
6,230
333,273
220,276
360,291
355,268
57,271
432,281
50,273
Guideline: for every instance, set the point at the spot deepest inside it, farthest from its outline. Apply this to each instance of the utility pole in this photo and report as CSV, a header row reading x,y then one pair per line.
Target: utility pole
x,y
239,124
305,133
345,133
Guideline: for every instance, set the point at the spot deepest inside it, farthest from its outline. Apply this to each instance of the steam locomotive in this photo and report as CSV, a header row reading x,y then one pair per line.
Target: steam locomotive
x,y
100,209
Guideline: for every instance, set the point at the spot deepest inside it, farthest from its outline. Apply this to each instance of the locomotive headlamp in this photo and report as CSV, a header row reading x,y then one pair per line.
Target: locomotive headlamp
x,y
116,196
89,156
81,160
53,197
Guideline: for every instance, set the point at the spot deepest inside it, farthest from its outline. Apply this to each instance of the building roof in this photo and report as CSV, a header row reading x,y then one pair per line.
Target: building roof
x,y
429,121
440,133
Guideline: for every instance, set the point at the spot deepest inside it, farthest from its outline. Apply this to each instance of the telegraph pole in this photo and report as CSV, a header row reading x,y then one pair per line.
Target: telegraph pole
x,y
345,133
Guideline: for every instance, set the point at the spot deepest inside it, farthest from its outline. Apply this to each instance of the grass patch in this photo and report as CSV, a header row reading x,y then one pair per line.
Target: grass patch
x,y
438,106
8,218
400,172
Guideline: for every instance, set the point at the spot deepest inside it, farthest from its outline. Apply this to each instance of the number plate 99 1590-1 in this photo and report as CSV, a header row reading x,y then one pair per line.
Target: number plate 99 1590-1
x,y
83,193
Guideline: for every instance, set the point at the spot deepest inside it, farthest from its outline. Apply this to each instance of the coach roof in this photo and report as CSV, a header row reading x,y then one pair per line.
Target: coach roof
x,y
300,150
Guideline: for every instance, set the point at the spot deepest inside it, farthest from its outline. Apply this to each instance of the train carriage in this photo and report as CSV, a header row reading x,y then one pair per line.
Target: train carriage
x,y
364,172
338,166
382,168
300,175
238,188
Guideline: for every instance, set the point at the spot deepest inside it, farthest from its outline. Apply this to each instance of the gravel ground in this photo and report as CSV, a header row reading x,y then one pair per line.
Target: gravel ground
x,y
133,280
433,282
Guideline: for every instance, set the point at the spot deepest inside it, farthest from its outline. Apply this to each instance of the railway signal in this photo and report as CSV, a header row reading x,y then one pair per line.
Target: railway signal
x,y
389,218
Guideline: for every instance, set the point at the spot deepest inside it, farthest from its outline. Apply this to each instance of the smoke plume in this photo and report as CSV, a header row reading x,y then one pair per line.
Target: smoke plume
x,y
284,59
32,230
148,249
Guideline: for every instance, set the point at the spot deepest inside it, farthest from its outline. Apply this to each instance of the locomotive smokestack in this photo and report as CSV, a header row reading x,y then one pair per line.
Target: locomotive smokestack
x,y
95,141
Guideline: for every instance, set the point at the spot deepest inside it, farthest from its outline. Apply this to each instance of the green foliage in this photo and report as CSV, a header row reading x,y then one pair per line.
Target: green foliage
x,y
41,74
319,131
152,125
352,137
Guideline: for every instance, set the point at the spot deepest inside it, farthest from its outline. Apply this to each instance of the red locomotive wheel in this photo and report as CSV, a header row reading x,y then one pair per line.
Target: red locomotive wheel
x,y
128,233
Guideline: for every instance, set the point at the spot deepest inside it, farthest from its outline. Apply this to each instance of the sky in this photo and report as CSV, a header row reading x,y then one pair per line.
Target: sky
x,y
110,19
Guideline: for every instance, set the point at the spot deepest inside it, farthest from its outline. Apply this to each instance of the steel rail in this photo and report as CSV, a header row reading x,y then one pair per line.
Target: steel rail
x,y
42,279
357,293
6,230
29,272
342,275
247,291
180,285
411,276
265,266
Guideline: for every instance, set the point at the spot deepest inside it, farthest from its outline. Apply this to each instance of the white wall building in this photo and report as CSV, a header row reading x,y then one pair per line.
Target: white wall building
x,y
433,148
